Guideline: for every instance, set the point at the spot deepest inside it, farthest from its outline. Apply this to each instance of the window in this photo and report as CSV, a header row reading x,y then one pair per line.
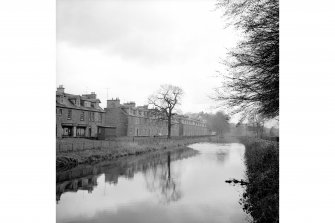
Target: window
x,y
59,111
91,116
69,114
100,117
82,116
80,132
67,131
87,104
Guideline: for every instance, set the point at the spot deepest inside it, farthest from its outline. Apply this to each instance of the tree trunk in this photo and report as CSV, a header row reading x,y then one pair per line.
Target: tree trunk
x,y
169,173
169,127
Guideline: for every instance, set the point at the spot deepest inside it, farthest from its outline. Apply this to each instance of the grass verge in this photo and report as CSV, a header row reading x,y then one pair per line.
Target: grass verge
x,y
69,160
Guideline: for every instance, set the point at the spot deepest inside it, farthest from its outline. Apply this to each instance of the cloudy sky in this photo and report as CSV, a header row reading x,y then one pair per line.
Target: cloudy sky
x,y
129,48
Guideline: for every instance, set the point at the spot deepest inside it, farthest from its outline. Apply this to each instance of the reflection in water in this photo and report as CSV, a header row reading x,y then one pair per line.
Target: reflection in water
x,y
86,183
156,167
222,156
158,180
187,185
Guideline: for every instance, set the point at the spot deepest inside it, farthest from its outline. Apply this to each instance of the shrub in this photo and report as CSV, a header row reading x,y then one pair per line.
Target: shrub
x,y
261,198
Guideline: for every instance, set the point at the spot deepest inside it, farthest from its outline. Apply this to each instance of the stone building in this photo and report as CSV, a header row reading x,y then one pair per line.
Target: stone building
x,y
192,127
132,120
80,116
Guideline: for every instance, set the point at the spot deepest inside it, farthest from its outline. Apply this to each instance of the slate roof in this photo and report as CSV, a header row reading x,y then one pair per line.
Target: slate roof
x,y
68,104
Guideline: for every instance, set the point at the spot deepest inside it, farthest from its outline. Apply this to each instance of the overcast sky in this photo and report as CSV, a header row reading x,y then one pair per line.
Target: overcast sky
x,y
132,47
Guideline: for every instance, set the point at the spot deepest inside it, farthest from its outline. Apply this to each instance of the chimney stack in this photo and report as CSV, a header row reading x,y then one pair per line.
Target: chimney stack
x,y
90,96
93,95
131,104
113,103
60,89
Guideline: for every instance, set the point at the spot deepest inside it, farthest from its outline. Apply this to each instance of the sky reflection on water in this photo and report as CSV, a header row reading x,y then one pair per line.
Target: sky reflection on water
x,y
182,186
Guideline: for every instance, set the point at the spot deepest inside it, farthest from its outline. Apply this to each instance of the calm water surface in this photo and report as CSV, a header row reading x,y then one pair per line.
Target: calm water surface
x,y
187,185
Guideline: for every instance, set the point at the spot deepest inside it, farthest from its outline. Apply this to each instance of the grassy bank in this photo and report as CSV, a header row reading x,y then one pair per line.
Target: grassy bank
x,y
70,159
261,198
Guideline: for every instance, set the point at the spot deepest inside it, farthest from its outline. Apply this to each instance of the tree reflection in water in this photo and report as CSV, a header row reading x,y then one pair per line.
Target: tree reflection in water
x,y
221,157
155,166
159,180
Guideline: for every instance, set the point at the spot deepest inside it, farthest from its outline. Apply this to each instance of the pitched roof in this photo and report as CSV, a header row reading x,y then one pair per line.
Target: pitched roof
x,y
68,104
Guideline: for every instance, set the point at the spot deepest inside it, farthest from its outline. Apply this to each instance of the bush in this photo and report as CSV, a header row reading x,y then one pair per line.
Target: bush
x,y
261,198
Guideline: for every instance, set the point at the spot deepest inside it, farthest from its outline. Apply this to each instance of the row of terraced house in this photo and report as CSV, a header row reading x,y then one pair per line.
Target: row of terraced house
x,y
81,116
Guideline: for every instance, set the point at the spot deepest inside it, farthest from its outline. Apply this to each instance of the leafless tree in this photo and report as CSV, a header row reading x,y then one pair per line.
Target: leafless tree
x,y
251,85
164,101
256,125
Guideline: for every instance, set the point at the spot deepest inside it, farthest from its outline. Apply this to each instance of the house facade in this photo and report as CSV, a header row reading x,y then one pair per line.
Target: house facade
x,y
192,127
132,120
80,116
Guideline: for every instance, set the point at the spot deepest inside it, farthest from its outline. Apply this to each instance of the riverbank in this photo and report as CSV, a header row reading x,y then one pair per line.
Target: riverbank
x,y
261,198
72,158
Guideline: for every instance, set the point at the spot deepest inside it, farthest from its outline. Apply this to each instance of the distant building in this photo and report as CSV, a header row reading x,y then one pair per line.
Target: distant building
x,y
192,127
132,120
80,116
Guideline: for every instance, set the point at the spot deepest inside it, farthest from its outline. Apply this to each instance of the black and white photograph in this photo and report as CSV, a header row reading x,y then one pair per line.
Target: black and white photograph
x,y
167,111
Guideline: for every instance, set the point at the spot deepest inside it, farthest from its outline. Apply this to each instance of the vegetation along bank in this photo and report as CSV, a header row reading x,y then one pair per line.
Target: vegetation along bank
x,y
261,198
104,150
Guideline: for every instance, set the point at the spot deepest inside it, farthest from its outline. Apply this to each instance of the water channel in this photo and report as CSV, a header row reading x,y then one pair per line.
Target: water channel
x,y
186,185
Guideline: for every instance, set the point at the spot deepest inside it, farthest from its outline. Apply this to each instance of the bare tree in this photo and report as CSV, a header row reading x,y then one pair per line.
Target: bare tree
x,y
256,125
251,85
164,101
